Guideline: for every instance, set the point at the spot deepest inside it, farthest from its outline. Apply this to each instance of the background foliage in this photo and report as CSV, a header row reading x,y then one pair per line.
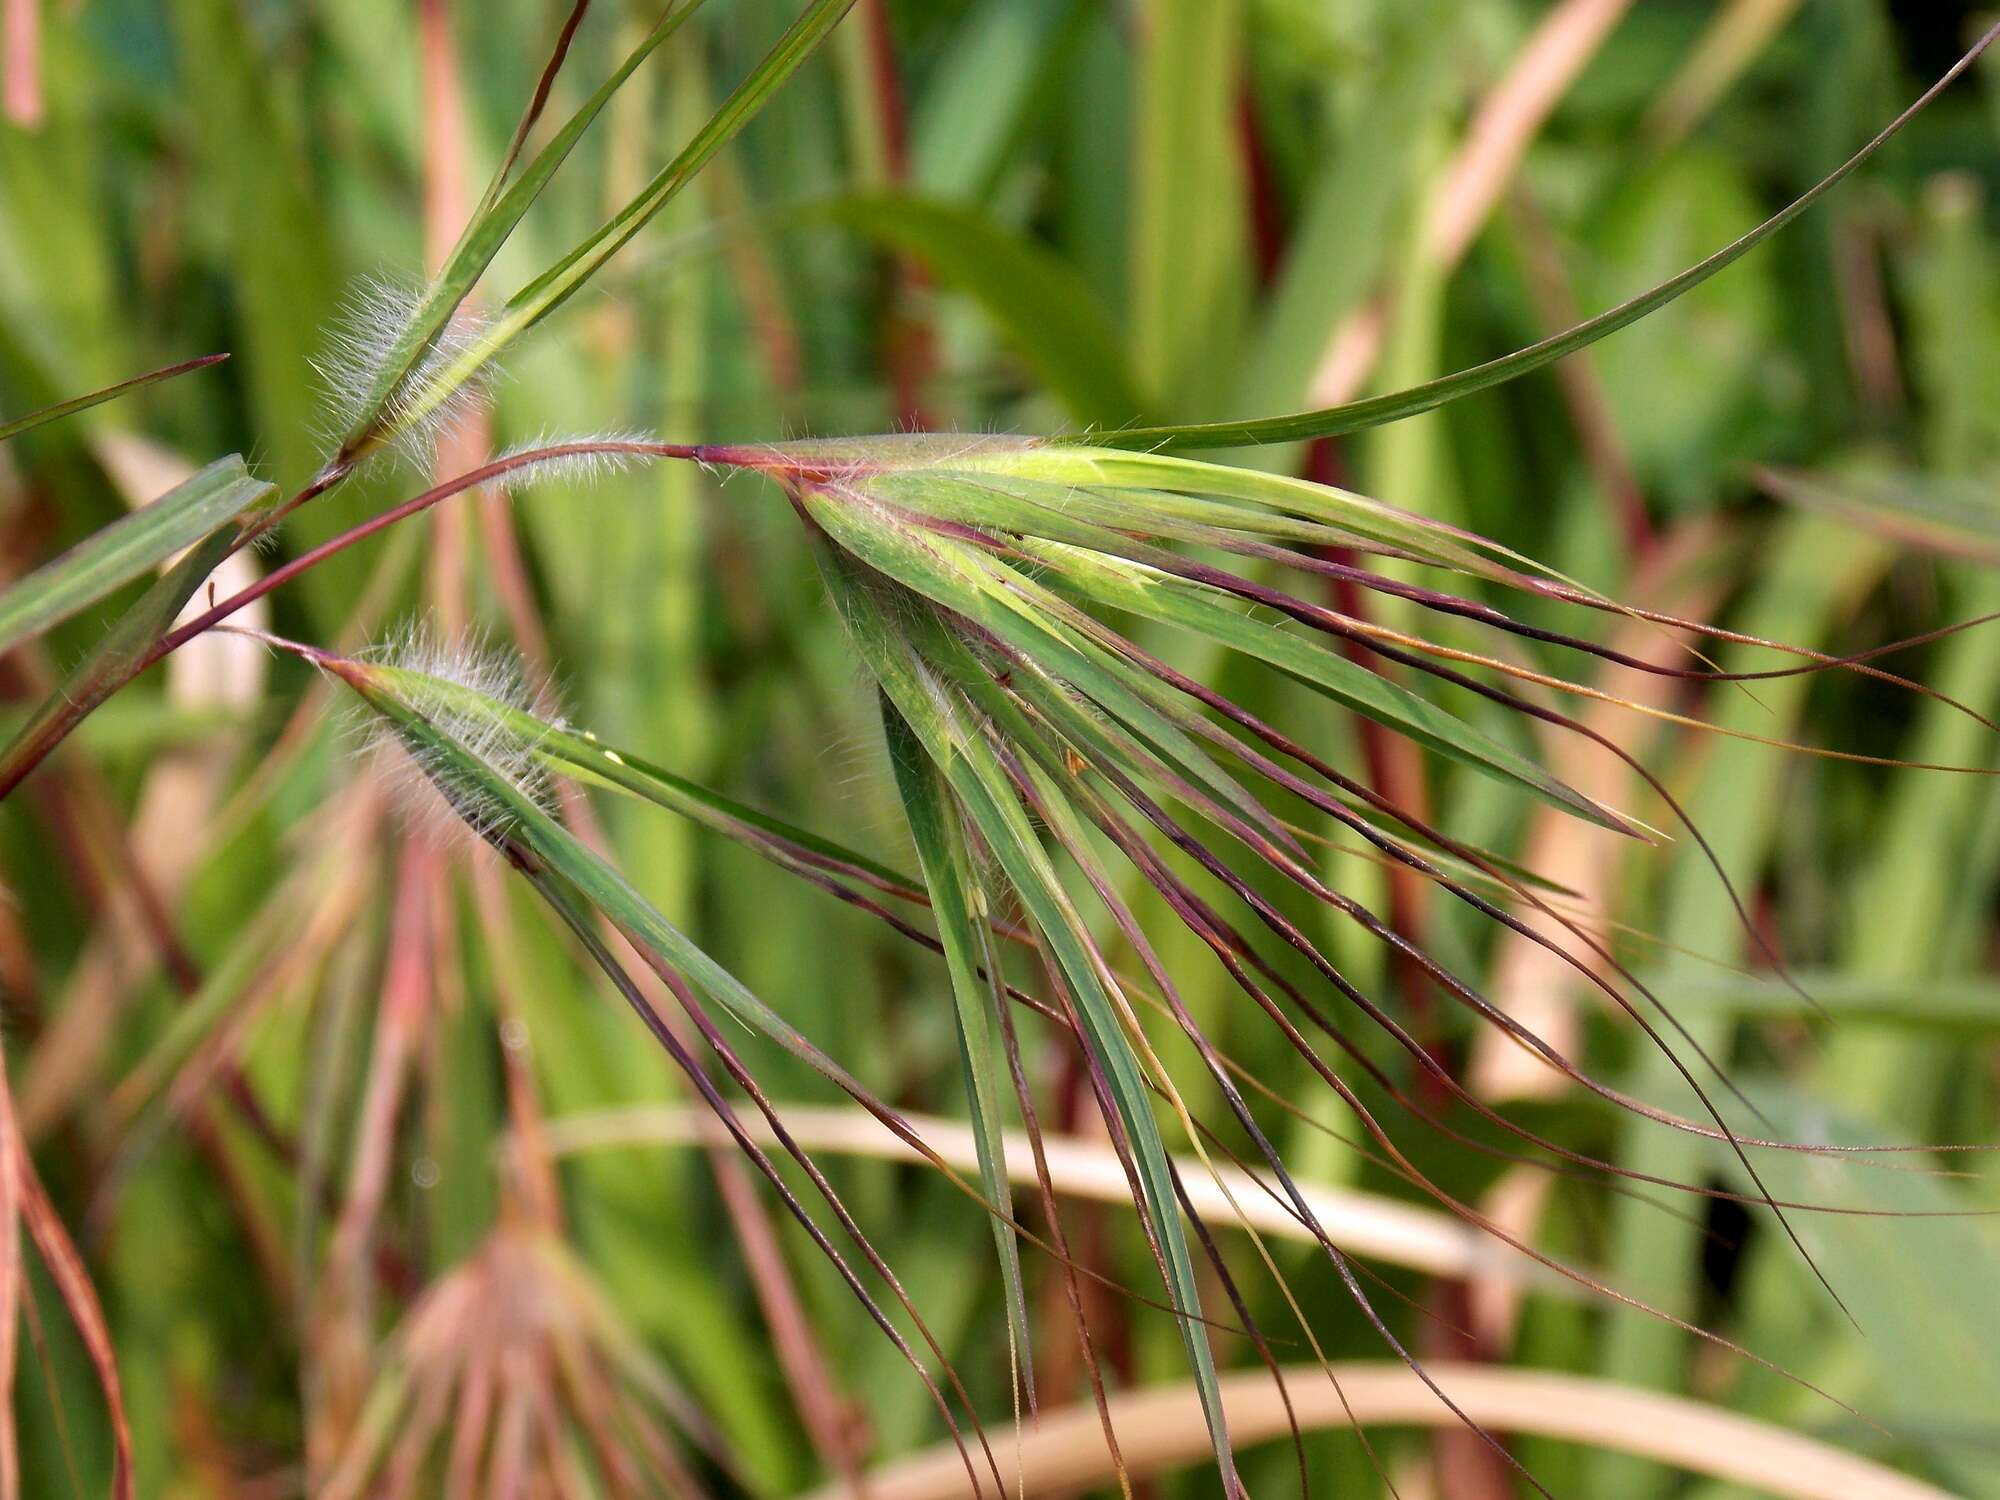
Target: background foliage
x,y
262,1043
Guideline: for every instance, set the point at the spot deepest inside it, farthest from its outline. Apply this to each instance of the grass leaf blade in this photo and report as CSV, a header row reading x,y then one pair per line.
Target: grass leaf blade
x,y
549,290
489,230
567,276
114,555
111,662
84,402
956,895
1376,410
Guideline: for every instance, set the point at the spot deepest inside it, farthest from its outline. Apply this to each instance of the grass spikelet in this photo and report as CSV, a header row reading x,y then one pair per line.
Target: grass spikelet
x,y
375,317
427,672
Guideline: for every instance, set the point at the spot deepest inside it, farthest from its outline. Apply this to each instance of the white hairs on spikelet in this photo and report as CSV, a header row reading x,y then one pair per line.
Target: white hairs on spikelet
x,y
581,466
374,316
500,747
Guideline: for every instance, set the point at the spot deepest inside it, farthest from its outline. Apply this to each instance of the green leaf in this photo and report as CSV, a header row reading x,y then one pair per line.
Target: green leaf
x,y
75,404
1376,410
1950,515
1932,1361
1189,249
1344,232
254,169
549,290
958,902
1969,1002
116,554
990,77
1041,304
114,659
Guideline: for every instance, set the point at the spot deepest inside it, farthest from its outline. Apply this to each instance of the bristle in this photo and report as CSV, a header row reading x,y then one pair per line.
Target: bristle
x,y
372,317
583,458
265,540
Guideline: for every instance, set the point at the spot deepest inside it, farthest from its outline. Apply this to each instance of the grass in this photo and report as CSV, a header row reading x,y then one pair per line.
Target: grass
x,y
603,932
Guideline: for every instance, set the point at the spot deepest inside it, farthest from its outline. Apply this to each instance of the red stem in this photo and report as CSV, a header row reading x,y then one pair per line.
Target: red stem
x,y
471,479
175,639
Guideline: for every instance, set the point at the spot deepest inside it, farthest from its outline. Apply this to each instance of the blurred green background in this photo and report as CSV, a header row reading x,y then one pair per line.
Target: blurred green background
x,y
1014,215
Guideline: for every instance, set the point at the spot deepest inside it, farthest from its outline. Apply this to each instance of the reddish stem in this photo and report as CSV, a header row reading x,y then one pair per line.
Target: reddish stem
x,y
471,479
1395,772
22,51
175,639
1267,220
908,345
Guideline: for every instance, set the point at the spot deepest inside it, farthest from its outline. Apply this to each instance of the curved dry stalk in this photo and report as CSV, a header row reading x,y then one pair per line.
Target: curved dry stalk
x,y
1364,1223
1509,117
1160,1429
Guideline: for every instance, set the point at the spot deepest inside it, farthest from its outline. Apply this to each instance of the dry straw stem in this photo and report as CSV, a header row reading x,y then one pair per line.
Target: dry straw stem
x,y
1530,982
21,59
1735,38
1509,119
1362,1223
1161,1429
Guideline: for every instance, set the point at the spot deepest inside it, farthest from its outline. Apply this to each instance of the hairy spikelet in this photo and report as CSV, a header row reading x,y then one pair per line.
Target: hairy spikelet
x,y
498,746
373,318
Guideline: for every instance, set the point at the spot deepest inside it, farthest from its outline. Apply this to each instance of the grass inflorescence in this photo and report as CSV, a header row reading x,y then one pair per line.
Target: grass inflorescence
x,y
1280,926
